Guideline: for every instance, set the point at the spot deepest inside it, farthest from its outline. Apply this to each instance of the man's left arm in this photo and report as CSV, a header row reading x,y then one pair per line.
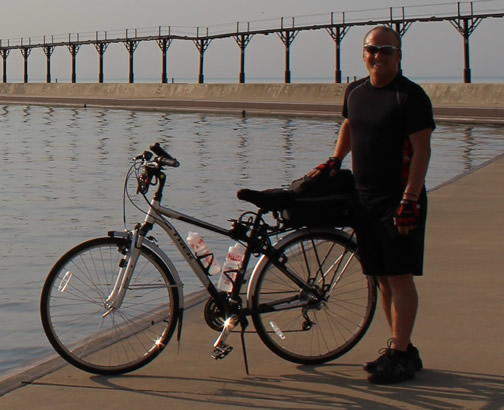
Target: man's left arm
x,y
420,144
408,211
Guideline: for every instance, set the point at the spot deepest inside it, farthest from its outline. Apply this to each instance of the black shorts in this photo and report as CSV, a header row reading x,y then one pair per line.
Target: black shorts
x,y
383,250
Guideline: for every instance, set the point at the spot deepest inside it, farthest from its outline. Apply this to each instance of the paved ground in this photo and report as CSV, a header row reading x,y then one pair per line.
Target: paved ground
x,y
459,332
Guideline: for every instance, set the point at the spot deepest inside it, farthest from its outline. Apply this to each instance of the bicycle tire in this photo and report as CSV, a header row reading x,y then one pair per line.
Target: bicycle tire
x,y
72,308
330,328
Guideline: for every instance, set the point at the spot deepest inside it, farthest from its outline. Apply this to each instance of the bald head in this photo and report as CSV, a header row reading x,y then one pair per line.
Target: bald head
x,y
394,35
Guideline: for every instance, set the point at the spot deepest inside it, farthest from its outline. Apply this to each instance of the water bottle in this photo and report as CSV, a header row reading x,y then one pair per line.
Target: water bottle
x,y
200,248
234,260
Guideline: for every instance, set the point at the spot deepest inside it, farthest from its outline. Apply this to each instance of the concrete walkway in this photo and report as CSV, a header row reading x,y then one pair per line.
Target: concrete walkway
x,y
459,331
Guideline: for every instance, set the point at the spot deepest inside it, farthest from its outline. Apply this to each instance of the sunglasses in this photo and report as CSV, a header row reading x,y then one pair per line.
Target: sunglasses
x,y
385,50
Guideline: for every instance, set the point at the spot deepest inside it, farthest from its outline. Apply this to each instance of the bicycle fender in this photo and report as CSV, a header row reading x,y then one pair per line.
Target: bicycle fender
x,y
166,260
263,260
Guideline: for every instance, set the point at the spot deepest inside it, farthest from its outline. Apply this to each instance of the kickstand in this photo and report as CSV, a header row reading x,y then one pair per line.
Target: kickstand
x,y
244,323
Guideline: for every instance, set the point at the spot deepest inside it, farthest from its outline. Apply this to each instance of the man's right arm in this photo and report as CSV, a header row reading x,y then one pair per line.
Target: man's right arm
x,y
333,164
343,145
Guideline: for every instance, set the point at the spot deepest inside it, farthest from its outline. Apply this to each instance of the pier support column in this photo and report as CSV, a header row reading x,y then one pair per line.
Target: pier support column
x,y
242,39
131,46
202,45
287,36
400,25
74,49
164,44
467,63
48,51
466,25
101,48
5,54
337,33
26,53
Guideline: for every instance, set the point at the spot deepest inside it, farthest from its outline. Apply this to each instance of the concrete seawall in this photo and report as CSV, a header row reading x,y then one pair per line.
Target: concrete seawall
x,y
455,102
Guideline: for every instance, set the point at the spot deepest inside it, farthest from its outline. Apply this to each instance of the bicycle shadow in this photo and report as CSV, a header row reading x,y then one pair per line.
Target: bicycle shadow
x,y
322,387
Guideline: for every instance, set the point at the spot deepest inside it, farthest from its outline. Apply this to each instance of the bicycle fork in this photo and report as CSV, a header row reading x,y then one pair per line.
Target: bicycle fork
x,y
126,268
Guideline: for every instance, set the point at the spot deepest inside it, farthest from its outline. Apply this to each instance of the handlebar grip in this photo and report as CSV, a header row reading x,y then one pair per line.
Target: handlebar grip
x,y
159,151
163,157
169,162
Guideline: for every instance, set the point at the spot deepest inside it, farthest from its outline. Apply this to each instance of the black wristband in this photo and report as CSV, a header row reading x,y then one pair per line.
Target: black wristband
x,y
337,162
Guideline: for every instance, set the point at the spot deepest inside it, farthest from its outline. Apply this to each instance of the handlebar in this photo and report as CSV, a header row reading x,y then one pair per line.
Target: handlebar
x,y
151,168
162,159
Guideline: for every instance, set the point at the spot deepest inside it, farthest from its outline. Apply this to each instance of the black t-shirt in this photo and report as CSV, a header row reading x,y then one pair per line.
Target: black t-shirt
x,y
381,120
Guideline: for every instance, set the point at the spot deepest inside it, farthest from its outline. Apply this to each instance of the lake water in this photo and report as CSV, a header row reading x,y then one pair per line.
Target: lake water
x,y
62,182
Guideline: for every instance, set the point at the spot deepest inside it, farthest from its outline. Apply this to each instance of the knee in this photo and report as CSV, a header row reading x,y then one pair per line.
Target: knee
x,y
384,286
401,282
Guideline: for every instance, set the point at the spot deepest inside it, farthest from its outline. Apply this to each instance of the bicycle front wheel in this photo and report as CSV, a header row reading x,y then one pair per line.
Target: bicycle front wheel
x,y
302,328
73,308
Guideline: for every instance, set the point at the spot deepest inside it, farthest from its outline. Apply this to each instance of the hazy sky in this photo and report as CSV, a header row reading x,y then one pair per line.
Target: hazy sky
x,y
430,49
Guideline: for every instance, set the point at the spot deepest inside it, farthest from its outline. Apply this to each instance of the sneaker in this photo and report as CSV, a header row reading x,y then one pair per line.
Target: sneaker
x,y
412,351
415,356
371,367
395,367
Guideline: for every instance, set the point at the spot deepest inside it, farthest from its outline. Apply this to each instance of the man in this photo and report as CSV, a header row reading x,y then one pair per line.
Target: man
x,y
388,125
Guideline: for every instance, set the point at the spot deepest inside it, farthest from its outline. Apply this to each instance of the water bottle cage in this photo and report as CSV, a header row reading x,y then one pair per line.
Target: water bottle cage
x,y
201,258
229,274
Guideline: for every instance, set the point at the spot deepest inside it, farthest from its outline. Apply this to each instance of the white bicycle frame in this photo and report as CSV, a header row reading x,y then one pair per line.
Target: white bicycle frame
x,y
155,216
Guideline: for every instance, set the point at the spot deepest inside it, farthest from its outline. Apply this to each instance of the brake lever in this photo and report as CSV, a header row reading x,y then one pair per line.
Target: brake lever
x,y
147,155
144,180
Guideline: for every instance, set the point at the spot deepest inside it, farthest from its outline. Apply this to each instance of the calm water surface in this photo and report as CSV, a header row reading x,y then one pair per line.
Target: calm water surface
x,y
62,181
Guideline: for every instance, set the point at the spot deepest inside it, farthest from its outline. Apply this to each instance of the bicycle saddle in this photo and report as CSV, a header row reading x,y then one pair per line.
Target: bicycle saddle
x,y
274,199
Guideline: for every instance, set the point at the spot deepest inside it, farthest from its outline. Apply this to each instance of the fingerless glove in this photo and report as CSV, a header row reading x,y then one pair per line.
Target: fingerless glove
x,y
330,167
407,213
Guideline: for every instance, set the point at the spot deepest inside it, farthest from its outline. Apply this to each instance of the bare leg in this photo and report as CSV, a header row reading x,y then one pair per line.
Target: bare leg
x,y
386,299
404,309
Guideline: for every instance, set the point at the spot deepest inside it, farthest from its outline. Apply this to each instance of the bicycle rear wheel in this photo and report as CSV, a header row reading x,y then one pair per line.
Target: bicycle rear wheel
x,y
73,306
289,321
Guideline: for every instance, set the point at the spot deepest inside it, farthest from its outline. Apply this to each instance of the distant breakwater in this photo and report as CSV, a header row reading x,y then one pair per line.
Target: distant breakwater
x,y
452,102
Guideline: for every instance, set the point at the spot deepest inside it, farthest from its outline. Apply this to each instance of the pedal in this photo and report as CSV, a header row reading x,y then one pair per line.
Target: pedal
x,y
221,351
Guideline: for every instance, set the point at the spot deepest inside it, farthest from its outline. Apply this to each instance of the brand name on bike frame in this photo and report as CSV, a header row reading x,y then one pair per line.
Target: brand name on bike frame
x,y
182,243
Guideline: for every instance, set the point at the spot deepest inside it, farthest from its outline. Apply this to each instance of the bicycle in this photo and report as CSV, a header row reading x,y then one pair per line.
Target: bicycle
x,y
111,304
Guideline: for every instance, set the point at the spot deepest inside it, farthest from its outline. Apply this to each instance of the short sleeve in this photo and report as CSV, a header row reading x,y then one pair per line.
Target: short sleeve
x,y
418,110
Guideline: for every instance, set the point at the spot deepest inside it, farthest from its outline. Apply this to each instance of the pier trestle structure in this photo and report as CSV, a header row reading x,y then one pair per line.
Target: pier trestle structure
x,y
337,26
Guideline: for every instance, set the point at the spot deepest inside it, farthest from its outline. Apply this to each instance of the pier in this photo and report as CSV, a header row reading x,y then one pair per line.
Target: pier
x,y
465,17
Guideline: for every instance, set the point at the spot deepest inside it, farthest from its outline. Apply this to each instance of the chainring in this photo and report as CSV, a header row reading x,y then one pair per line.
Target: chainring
x,y
214,316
